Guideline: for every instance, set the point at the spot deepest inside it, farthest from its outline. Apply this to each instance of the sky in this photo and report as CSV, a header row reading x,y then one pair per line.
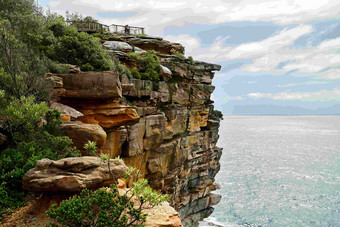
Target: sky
x,y
277,56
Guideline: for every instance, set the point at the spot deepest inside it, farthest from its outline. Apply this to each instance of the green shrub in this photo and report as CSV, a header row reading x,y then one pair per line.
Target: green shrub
x,y
121,69
191,59
136,74
67,45
54,67
32,132
91,147
149,66
105,207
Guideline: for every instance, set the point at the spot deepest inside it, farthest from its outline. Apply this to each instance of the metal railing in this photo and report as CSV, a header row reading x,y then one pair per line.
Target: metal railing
x,y
89,26
95,27
126,29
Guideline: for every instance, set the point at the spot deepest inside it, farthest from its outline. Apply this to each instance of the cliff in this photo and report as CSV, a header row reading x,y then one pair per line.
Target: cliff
x,y
168,128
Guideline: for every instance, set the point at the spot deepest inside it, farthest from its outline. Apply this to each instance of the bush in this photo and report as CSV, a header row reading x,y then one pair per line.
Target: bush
x,y
149,66
121,69
32,132
105,207
67,45
136,74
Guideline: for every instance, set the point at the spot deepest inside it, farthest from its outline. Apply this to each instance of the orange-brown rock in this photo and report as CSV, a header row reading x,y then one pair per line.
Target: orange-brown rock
x,y
81,133
115,139
72,174
109,115
92,85
156,44
66,112
163,216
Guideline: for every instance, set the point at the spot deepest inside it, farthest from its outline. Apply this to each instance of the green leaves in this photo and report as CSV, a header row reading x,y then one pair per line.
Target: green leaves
x,y
107,207
76,48
149,66
91,147
102,207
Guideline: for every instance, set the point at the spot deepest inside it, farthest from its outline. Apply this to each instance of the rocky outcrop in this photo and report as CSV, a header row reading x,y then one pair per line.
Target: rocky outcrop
x,y
72,174
81,133
163,215
167,128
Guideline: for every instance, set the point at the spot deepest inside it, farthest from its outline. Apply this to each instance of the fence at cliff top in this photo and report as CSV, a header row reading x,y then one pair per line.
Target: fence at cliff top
x,y
95,27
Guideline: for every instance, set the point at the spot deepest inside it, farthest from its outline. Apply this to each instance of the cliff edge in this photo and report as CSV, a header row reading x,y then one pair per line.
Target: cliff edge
x,y
167,128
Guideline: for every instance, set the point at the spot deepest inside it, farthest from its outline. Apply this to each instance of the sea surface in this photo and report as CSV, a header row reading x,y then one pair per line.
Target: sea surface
x,y
278,171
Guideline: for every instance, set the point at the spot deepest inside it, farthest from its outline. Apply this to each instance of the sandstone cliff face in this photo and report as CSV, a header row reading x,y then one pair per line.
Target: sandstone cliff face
x,y
165,128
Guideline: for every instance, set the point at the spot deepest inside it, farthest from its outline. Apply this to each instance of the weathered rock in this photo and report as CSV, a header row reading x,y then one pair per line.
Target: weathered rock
x,y
168,129
157,44
66,110
138,50
165,73
109,115
118,46
214,199
163,215
92,85
81,133
71,174
114,142
154,131
58,81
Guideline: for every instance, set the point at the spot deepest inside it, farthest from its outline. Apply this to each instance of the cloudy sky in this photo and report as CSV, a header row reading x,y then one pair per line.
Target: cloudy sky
x,y
277,56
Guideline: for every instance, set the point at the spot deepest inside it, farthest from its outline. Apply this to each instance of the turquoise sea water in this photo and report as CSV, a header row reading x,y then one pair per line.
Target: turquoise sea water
x,y
279,171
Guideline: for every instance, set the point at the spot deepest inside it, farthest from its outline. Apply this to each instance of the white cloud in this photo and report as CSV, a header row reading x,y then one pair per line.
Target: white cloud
x,y
255,50
190,43
321,96
331,74
150,13
267,54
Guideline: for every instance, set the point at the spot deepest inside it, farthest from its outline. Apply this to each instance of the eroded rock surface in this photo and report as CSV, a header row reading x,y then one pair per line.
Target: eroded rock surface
x,y
167,129
71,174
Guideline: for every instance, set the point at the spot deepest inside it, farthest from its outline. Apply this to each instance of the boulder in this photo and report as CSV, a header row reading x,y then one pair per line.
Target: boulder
x,y
163,215
81,133
214,199
156,44
72,174
109,115
66,110
165,73
118,46
56,80
92,85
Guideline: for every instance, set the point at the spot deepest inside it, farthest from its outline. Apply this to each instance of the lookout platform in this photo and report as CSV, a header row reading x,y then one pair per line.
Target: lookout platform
x,y
95,27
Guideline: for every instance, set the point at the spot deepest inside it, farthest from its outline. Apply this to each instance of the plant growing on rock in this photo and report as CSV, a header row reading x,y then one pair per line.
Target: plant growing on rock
x,y
91,147
149,65
108,206
32,134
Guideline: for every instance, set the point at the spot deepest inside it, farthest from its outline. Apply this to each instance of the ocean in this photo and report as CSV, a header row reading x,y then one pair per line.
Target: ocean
x,y
278,171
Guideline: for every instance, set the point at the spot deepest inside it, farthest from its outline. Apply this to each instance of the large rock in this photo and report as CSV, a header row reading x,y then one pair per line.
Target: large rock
x,y
163,215
81,133
66,110
92,85
72,174
117,46
157,44
109,115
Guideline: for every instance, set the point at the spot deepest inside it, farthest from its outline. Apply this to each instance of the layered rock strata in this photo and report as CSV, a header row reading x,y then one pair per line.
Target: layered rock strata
x,y
165,128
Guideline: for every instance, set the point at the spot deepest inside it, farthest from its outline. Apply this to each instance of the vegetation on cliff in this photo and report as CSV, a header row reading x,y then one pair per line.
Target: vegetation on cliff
x,y
32,44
